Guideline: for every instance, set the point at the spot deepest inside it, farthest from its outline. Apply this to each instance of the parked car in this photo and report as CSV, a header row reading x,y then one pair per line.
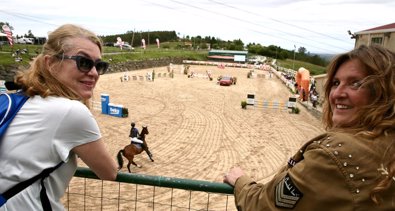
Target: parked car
x,y
226,81
24,40
108,44
125,46
3,42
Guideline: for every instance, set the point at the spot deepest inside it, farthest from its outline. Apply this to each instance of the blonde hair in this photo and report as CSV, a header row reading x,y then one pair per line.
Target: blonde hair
x,y
378,117
37,80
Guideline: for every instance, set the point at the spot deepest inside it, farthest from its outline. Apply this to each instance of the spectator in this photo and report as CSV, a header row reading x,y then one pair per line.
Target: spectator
x,y
352,166
55,125
314,98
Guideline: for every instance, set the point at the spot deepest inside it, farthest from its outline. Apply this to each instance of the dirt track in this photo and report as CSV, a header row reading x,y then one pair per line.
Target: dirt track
x,y
198,129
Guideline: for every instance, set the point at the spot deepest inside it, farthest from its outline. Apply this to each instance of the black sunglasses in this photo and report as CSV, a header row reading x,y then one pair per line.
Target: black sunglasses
x,y
85,64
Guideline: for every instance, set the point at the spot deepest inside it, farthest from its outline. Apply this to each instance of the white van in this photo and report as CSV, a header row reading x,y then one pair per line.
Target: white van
x,y
24,40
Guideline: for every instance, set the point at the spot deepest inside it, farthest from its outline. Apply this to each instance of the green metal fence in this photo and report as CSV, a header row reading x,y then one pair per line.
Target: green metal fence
x,y
145,192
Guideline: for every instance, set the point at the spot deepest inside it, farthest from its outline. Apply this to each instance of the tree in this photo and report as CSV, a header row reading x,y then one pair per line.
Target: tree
x,y
6,23
283,55
302,50
253,48
29,34
238,45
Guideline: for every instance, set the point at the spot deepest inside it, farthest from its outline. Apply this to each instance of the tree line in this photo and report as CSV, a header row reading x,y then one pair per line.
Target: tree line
x,y
278,53
199,42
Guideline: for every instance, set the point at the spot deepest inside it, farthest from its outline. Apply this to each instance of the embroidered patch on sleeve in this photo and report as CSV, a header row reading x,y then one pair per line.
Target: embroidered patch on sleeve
x,y
286,193
291,162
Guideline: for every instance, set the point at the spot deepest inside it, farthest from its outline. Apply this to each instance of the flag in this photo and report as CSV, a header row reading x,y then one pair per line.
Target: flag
x,y
120,42
157,42
8,32
143,43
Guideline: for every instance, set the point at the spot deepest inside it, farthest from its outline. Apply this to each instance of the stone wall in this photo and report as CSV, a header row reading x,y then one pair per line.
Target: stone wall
x,y
138,65
316,112
7,73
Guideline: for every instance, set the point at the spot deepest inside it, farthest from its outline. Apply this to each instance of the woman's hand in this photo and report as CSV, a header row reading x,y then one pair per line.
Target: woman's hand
x,y
233,175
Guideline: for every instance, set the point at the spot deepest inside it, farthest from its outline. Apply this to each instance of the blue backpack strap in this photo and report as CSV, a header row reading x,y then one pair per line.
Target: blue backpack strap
x,y
9,107
10,104
22,185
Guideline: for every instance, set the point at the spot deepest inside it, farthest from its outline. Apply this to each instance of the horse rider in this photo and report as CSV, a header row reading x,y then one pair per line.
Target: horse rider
x,y
134,133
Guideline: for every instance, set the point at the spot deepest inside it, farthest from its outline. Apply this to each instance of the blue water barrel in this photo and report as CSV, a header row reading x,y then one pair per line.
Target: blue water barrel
x,y
115,110
105,100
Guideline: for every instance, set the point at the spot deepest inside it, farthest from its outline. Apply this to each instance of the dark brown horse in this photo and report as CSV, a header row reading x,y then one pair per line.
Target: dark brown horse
x,y
134,149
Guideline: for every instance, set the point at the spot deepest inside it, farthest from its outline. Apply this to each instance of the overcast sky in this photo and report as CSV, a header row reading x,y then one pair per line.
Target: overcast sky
x,y
318,25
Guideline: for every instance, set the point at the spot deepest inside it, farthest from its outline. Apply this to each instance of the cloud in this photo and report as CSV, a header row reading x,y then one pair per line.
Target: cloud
x,y
317,25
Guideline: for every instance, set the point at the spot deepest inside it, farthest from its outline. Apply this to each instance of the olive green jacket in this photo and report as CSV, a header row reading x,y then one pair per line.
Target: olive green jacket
x,y
334,171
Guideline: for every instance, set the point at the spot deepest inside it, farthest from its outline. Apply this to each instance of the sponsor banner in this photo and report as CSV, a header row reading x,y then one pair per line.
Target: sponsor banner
x,y
115,110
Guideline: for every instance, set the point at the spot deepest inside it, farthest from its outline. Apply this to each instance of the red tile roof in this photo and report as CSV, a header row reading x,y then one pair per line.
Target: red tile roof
x,y
221,57
388,26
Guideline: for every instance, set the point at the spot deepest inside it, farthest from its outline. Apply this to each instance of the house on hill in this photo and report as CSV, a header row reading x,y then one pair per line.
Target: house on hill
x,y
382,35
228,56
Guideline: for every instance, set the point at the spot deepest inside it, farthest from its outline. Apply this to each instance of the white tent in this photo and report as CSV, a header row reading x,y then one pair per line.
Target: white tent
x,y
2,34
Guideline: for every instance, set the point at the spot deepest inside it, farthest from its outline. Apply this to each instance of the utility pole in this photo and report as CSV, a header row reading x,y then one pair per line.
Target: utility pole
x,y
132,38
293,62
148,38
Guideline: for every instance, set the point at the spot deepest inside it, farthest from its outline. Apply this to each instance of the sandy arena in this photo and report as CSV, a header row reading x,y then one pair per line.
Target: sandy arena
x,y
198,130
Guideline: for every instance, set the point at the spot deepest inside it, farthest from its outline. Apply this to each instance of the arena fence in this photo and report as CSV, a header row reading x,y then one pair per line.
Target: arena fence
x,y
276,105
145,192
268,104
96,105
147,77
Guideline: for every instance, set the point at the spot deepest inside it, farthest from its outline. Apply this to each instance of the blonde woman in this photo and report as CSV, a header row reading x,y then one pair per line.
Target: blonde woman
x,y
55,125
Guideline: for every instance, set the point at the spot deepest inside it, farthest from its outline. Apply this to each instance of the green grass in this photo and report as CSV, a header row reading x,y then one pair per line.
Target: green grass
x,y
147,54
6,54
314,69
167,50
113,53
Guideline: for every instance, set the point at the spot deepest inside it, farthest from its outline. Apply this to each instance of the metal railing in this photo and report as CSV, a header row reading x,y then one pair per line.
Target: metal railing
x,y
145,192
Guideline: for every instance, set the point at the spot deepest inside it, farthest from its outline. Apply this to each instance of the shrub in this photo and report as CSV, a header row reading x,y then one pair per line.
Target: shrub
x,y
296,110
249,75
125,112
244,104
166,46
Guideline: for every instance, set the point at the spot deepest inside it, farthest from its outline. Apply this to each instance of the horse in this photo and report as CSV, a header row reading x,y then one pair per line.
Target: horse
x,y
133,149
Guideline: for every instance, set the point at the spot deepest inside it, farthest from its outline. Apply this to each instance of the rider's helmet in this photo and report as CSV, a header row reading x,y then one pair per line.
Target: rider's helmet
x,y
132,124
